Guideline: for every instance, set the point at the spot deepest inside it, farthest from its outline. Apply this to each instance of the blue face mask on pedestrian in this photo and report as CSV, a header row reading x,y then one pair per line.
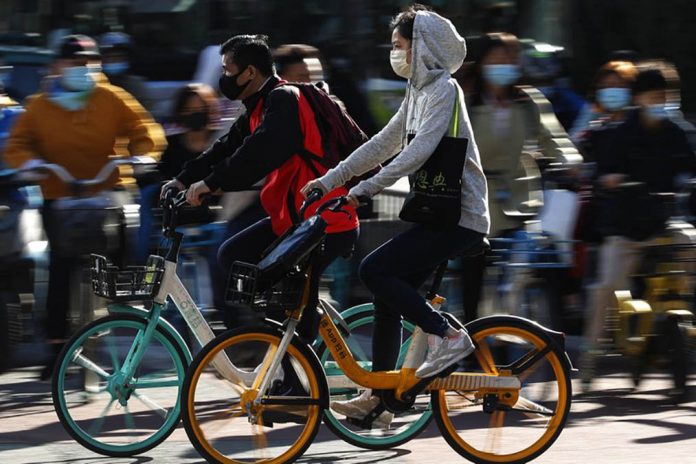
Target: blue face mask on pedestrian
x,y
78,78
656,112
614,98
501,74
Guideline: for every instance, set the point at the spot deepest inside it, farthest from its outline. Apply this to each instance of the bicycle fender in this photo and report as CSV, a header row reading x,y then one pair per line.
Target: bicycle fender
x,y
162,323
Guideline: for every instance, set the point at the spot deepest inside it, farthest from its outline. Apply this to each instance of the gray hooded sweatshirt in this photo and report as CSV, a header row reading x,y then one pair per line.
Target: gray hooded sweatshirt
x,y
437,52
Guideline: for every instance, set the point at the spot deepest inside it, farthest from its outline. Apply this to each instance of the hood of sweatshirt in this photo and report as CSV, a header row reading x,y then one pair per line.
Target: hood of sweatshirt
x,y
437,48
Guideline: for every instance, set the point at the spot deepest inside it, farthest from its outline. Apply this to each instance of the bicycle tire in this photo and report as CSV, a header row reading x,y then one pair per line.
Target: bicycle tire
x,y
360,316
516,330
107,325
196,419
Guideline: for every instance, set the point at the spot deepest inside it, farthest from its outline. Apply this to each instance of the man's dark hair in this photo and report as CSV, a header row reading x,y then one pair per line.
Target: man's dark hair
x,y
649,78
250,50
286,55
403,22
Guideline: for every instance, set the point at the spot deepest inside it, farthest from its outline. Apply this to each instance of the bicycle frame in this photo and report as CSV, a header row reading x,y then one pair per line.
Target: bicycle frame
x,y
404,379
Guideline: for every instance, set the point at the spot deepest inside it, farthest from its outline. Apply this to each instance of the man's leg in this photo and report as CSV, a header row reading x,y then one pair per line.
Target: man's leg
x,y
58,296
335,245
618,258
246,246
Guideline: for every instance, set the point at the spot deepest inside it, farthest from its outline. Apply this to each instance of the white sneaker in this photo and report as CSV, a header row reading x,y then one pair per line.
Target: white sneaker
x,y
443,352
360,406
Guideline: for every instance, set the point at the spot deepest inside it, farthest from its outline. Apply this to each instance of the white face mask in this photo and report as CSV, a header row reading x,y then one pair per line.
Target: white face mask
x,y
397,58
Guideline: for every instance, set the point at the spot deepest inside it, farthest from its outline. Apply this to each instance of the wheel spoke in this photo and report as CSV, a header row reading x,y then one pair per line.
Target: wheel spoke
x,y
147,401
96,427
82,361
485,358
128,419
113,353
532,409
156,383
493,437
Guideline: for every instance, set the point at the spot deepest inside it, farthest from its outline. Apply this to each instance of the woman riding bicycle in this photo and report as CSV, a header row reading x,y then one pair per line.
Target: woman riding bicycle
x,y
426,50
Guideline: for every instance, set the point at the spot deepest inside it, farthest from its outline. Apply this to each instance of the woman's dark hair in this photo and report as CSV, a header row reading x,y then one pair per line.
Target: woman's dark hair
x,y
649,78
202,91
250,50
403,22
484,45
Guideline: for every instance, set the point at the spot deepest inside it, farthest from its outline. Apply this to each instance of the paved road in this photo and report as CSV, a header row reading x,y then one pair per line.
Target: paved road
x,y
616,425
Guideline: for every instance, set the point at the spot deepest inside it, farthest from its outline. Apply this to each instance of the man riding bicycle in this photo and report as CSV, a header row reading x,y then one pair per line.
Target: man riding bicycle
x,y
75,122
265,143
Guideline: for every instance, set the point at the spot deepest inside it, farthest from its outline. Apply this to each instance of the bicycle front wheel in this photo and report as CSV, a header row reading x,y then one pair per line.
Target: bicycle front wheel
x,y
221,418
485,428
100,408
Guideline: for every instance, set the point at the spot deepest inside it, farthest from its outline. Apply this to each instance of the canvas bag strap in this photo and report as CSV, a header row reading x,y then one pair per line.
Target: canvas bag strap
x,y
454,130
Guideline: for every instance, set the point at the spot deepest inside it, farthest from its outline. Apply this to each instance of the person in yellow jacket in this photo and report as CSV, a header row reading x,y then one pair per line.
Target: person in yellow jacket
x,y
76,122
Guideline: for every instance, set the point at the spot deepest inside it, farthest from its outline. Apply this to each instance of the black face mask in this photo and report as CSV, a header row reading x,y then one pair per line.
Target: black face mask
x,y
195,121
229,87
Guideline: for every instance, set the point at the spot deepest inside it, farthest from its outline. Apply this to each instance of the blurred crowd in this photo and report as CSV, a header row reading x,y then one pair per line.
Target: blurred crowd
x,y
614,147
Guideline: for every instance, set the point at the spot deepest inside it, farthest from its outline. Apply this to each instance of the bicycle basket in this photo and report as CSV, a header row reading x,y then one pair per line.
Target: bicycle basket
x,y
247,287
132,283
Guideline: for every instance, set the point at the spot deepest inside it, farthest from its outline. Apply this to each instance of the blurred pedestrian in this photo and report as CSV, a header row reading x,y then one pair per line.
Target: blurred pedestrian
x,y
115,50
610,98
75,123
650,149
196,115
514,126
543,68
298,63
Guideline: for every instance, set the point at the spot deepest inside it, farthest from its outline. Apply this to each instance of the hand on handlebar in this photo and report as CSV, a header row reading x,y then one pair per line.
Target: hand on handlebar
x,y
195,192
353,201
173,184
611,181
314,184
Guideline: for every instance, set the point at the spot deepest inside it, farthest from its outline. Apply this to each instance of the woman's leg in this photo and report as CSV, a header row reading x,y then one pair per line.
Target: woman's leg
x,y
395,271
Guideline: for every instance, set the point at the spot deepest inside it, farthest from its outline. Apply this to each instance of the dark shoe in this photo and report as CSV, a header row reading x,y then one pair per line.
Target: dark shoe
x,y
281,417
47,371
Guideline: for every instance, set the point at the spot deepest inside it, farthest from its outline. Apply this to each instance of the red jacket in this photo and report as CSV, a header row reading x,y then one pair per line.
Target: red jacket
x,y
280,196
264,144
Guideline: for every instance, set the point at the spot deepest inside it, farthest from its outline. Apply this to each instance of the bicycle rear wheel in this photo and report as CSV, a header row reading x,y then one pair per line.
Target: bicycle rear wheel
x,y
405,426
223,423
102,410
482,426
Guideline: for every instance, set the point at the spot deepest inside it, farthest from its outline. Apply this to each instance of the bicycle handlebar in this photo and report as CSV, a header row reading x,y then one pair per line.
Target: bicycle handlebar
x,y
102,176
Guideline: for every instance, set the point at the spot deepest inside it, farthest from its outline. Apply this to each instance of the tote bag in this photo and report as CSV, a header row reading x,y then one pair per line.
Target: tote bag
x,y
436,188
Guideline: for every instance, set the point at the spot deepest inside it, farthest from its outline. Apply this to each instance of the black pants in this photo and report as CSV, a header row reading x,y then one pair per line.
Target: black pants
x,y
61,267
394,274
249,244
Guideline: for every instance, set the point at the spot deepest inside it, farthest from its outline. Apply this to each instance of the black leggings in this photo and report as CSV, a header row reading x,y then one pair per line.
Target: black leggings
x,y
249,244
394,273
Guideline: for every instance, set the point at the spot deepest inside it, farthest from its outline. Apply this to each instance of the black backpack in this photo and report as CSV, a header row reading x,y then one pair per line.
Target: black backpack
x,y
340,135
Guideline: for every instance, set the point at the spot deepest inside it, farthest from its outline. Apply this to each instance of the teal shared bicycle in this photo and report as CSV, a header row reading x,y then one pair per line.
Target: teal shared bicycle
x,y
117,381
